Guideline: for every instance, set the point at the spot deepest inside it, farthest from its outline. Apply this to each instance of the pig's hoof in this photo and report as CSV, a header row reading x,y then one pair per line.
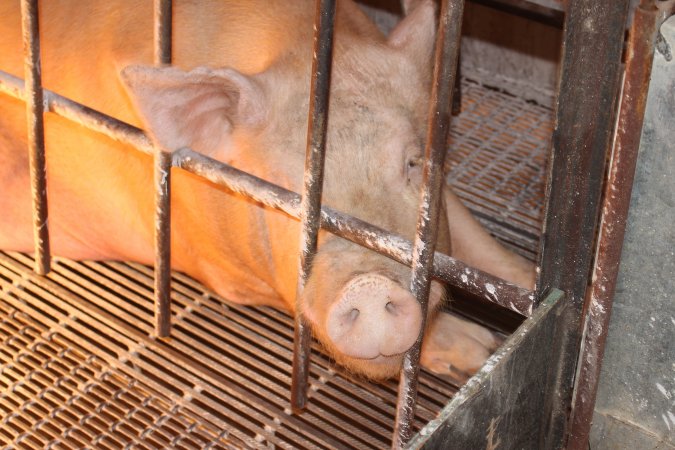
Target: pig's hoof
x,y
455,347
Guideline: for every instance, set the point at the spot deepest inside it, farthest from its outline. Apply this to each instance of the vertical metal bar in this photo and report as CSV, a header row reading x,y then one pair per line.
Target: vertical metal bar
x,y
312,187
586,105
36,136
585,116
457,95
162,31
163,163
445,71
597,310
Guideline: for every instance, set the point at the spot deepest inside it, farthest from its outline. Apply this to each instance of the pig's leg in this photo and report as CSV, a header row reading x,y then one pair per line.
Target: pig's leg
x,y
472,244
454,346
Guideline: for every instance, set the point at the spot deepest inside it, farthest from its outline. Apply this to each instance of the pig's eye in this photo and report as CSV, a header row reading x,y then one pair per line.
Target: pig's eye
x,y
414,169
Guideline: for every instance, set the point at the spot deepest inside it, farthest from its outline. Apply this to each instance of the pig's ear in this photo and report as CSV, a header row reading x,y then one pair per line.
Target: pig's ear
x,y
196,109
416,33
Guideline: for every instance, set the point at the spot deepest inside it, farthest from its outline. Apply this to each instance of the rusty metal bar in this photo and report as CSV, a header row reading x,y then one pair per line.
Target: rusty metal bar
x,y
591,70
585,117
310,206
162,31
598,305
162,284
36,134
446,268
445,71
162,162
83,115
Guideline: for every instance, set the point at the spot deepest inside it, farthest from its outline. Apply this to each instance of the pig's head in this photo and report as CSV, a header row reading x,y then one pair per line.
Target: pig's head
x,y
358,302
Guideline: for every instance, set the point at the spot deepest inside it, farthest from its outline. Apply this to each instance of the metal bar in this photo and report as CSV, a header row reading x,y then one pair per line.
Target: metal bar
x,y
598,305
446,268
586,105
36,135
83,115
162,243
162,31
445,71
457,95
162,161
551,14
585,116
310,206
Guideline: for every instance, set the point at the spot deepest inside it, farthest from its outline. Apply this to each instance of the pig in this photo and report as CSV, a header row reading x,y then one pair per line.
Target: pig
x,y
238,92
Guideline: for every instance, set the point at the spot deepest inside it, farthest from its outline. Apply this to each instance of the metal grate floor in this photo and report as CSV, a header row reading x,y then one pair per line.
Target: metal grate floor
x,y
497,163
79,366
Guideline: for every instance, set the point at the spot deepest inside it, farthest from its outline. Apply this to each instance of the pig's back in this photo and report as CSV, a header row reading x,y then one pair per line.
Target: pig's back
x,y
86,44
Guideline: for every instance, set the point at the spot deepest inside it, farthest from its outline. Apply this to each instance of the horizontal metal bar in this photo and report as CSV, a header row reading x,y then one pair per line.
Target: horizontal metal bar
x,y
445,268
552,16
83,115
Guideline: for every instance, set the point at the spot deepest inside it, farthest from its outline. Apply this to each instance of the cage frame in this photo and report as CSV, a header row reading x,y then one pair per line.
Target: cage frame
x,y
582,139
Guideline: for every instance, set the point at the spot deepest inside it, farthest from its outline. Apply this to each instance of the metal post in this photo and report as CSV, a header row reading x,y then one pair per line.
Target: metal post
x,y
598,307
445,71
310,215
163,163
585,116
36,136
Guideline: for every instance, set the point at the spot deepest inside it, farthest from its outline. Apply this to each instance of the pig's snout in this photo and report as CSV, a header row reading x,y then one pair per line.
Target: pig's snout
x,y
373,316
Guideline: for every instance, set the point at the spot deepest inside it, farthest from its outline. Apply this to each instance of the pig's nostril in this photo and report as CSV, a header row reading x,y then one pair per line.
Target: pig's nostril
x,y
373,316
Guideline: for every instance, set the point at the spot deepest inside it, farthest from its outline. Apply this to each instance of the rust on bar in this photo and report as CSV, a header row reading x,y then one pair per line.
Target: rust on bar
x,y
36,138
598,304
445,71
163,162
310,206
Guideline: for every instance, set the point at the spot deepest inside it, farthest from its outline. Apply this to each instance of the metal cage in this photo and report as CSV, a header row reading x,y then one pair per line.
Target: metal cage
x,y
526,389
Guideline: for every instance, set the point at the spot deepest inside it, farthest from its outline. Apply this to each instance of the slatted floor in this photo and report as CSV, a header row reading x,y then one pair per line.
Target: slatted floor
x,y
79,366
